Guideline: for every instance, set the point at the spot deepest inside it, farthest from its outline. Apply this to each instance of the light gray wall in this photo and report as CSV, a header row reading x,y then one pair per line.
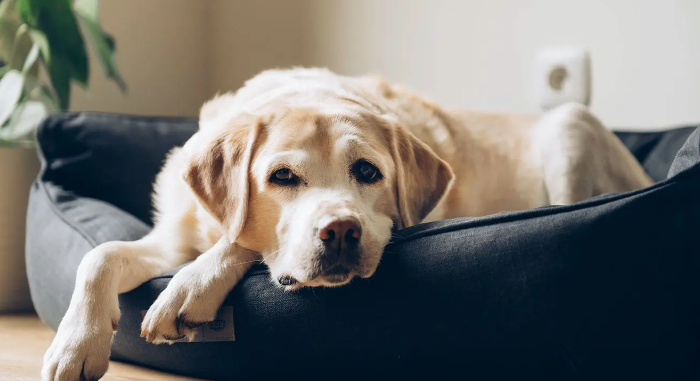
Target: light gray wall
x,y
473,53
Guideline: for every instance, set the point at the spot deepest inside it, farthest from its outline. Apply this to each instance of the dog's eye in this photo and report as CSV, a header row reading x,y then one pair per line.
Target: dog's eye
x,y
284,176
365,172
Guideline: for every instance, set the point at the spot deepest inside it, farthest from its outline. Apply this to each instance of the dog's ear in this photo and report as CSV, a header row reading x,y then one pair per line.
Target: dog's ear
x,y
219,174
422,178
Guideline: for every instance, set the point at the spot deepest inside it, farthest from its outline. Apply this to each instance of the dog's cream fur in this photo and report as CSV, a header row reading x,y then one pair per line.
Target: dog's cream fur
x,y
216,206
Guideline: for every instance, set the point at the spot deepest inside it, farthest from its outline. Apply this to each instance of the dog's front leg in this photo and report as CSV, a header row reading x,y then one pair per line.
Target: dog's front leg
x,y
196,292
80,350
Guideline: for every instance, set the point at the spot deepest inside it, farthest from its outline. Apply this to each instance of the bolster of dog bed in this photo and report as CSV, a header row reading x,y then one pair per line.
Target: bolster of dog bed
x,y
604,289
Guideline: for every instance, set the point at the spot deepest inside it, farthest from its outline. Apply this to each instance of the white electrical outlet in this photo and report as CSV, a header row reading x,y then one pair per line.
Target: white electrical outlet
x,y
562,74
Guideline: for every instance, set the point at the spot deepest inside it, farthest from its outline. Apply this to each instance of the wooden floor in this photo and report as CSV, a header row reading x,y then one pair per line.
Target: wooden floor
x,y
23,341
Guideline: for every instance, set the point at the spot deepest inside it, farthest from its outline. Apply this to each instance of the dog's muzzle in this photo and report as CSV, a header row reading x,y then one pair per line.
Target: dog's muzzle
x,y
337,260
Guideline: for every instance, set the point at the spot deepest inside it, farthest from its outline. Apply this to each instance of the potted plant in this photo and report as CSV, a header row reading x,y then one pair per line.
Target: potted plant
x,y
42,53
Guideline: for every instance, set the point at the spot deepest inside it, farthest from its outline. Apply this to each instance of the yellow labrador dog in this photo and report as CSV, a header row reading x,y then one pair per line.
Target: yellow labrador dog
x,y
309,172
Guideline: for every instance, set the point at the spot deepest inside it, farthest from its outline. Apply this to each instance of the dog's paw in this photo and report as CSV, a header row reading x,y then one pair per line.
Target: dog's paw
x,y
79,351
177,311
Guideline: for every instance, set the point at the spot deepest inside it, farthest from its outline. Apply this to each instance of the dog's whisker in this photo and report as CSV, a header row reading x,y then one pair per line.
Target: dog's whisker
x,y
246,262
268,256
262,260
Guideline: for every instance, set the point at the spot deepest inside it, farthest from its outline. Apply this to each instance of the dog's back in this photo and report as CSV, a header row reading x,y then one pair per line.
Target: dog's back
x,y
509,161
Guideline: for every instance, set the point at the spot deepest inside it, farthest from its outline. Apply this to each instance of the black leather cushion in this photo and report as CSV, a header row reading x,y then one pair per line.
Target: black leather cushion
x,y
604,289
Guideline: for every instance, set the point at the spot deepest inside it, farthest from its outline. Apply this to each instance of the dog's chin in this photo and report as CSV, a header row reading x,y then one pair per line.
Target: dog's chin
x,y
320,282
335,278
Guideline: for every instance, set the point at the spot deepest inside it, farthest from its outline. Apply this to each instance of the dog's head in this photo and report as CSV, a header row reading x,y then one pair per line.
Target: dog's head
x,y
315,193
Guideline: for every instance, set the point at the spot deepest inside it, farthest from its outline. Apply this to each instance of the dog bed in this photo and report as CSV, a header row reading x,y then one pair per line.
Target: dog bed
x,y
604,289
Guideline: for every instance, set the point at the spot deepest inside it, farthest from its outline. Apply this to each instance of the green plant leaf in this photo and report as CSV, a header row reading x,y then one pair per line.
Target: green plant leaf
x,y
102,43
35,89
11,85
20,49
25,119
87,8
14,43
55,18
59,72
31,59
39,38
44,93
9,23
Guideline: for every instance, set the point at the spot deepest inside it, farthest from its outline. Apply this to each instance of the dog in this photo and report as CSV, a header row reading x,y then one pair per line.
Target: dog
x,y
309,171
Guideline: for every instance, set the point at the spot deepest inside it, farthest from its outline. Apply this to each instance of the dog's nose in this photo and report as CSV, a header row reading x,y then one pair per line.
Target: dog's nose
x,y
339,232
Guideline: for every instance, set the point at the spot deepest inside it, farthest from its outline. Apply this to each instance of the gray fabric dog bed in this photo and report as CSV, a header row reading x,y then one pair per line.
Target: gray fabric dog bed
x,y
604,289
